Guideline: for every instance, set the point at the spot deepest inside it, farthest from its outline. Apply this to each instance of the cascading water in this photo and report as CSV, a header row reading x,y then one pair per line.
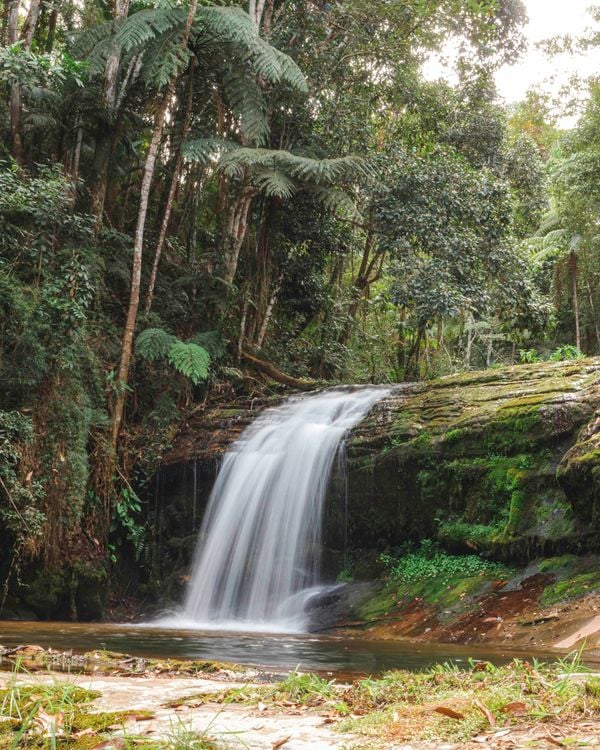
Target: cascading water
x,y
257,558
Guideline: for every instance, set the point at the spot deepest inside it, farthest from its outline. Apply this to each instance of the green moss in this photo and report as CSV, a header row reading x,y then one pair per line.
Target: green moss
x,y
571,587
556,563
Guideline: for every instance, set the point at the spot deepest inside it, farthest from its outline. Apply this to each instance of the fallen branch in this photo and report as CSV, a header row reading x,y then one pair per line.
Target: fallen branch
x,y
281,377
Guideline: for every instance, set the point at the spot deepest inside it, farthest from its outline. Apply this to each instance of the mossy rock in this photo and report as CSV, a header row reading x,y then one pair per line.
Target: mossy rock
x,y
503,461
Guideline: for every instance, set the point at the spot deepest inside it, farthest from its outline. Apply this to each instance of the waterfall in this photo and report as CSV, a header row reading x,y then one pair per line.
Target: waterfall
x,y
257,557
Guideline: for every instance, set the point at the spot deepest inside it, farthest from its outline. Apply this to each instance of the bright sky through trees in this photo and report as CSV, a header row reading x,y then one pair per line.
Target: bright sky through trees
x,y
547,18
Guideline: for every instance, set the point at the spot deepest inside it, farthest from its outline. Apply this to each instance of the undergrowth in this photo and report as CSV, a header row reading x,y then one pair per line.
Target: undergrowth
x,y
443,703
431,562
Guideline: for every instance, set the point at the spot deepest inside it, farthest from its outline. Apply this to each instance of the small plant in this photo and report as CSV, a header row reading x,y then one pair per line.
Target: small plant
x,y
565,353
529,356
430,562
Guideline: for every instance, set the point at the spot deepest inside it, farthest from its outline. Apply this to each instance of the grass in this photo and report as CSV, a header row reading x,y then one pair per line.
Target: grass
x,y
60,716
441,704
444,703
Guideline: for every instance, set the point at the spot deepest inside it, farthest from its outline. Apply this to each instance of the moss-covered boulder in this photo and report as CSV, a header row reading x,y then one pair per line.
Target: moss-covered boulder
x,y
502,461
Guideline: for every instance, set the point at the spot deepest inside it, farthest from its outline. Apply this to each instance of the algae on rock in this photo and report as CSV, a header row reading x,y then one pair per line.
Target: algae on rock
x,y
506,462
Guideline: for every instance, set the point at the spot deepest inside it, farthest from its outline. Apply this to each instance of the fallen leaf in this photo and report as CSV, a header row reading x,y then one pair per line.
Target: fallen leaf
x,y
281,743
554,741
486,712
117,743
84,733
51,725
139,717
449,712
516,707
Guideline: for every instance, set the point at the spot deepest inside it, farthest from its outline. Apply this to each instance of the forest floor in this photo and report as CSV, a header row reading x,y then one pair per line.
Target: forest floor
x,y
523,704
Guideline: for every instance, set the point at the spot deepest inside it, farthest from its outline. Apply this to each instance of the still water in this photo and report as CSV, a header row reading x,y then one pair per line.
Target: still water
x,y
336,655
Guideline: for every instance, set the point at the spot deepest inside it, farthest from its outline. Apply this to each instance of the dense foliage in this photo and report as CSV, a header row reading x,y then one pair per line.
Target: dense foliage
x,y
194,194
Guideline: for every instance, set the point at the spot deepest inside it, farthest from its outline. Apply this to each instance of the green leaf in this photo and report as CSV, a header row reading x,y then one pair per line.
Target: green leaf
x,y
190,360
153,344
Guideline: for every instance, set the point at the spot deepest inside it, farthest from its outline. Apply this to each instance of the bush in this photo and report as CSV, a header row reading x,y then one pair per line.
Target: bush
x,y
430,562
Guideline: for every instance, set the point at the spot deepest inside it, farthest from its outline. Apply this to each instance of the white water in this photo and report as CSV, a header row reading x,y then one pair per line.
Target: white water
x,y
257,560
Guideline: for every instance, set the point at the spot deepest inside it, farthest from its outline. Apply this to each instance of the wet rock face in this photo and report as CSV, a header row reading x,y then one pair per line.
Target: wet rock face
x,y
502,461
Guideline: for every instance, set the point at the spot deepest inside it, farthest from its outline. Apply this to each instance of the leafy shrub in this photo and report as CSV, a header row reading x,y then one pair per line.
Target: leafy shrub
x,y
430,562
528,356
565,353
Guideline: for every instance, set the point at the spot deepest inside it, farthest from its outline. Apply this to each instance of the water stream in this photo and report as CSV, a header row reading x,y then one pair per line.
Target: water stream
x,y
256,566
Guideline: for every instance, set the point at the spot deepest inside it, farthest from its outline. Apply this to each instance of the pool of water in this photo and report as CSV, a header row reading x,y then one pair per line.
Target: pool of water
x,y
328,654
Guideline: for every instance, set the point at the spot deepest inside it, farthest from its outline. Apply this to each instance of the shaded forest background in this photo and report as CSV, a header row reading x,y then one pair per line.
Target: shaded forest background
x,y
196,198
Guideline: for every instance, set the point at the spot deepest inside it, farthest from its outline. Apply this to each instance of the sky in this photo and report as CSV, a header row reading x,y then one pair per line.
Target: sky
x,y
547,18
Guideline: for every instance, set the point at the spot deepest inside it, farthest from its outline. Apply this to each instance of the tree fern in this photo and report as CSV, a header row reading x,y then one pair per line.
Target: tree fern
x,y
204,150
335,200
324,172
274,184
247,101
190,360
154,344
155,32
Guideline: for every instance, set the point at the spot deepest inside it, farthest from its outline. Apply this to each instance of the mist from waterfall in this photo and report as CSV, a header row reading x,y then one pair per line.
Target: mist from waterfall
x,y
257,559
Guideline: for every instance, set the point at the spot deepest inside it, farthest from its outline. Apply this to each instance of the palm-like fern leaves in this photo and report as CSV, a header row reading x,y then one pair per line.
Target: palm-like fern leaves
x,y
280,174
158,30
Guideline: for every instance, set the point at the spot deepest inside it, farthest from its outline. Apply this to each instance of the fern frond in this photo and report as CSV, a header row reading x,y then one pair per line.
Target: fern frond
x,y
190,360
145,26
318,172
274,184
290,72
203,150
335,200
247,102
153,344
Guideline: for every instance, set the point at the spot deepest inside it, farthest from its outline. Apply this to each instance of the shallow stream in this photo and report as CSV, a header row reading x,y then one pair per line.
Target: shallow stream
x,y
327,654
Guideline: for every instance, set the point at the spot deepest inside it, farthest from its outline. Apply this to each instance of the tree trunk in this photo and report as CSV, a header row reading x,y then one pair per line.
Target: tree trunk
x,y
134,299
15,106
573,269
103,133
281,377
235,232
269,313
52,28
469,347
30,23
185,129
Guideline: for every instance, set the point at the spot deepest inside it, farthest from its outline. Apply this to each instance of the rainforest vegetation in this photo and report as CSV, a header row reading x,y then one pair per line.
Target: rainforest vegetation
x,y
201,198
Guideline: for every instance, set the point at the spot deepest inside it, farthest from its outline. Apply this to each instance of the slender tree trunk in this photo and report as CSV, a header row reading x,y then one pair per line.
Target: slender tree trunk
x,y
469,347
573,269
15,105
235,232
490,352
103,134
30,23
134,299
12,21
185,129
269,313
52,21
